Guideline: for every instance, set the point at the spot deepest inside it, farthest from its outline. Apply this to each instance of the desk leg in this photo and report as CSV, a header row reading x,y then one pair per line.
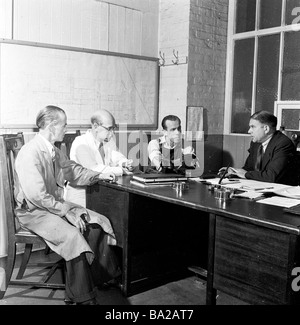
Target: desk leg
x,y
127,260
211,293
126,272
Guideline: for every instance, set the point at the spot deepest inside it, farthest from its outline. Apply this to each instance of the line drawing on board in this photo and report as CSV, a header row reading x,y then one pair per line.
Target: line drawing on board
x,y
78,82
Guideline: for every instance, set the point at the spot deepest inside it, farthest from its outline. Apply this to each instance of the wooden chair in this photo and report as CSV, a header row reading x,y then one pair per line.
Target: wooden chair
x,y
10,145
66,144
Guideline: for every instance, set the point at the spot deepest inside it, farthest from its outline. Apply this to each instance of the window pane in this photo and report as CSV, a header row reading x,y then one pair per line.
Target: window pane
x,y
290,119
242,85
270,13
291,67
246,13
267,72
292,11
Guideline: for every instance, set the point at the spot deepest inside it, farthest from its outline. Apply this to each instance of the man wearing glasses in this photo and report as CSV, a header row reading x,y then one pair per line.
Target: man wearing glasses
x,y
97,150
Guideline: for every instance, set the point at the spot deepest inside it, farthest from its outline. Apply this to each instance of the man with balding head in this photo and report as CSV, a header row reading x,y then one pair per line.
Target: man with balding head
x,y
97,150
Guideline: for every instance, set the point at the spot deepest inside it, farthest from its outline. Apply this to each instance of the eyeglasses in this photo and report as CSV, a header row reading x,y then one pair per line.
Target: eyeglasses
x,y
109,129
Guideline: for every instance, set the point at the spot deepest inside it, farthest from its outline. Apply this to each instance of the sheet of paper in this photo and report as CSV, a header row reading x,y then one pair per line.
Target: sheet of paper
x,y
225,181
250,195
246,184
280,201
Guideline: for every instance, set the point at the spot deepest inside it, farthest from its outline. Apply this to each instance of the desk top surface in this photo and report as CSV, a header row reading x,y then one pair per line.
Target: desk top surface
x,y
199,197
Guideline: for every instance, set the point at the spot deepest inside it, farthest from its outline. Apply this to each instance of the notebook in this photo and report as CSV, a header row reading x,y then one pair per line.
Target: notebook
x,y
151,185
152,178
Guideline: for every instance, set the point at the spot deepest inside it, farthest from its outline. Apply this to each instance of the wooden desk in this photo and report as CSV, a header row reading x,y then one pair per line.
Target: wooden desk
x,y
249,249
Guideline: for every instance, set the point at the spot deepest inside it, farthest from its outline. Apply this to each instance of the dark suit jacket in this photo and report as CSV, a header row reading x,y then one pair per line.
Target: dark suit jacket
x,y
278,164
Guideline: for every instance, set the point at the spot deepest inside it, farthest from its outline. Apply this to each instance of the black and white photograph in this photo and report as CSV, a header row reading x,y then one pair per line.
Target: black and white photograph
x,y
149,155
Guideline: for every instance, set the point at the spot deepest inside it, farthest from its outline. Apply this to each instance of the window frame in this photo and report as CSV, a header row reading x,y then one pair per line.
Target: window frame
x,y
281,105
231,38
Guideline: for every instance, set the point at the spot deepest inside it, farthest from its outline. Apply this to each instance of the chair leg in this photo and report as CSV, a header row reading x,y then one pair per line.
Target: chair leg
x,y
11,258
25,259
2,282
47,250
53,269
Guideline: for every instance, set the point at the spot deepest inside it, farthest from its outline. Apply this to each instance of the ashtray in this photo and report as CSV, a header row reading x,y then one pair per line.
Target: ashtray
x,y
224,193
180,186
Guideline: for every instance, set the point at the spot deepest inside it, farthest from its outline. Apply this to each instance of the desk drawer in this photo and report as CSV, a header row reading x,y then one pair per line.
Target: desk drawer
x,y
251,262
113,204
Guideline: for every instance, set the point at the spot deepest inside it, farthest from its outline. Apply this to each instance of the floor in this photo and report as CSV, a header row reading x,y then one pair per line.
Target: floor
x,y
188,291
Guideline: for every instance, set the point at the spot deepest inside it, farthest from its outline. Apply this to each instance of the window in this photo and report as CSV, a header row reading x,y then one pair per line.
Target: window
x,y
264,58
288,114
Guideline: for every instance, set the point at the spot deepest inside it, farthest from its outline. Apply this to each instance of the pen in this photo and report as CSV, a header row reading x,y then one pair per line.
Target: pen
x,y
255,189
263,188
225,172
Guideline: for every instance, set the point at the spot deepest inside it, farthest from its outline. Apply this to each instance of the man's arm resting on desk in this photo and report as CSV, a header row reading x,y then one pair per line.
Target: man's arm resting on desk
x,y
237,172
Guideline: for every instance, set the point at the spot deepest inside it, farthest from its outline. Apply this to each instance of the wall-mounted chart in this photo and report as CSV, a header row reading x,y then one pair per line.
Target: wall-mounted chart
x,y
80,82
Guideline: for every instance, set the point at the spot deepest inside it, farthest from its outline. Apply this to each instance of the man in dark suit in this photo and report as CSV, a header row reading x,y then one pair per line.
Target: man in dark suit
x,y
271,153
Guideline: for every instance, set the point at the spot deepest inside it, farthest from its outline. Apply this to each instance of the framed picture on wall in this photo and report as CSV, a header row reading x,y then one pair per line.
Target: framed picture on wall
x,y
288,115
194,123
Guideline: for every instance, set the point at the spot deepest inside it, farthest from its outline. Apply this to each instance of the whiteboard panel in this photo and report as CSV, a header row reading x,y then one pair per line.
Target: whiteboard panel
x,y
33,77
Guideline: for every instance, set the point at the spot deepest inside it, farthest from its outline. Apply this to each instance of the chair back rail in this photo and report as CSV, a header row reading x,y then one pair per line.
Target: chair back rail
x,y
66,144
10,146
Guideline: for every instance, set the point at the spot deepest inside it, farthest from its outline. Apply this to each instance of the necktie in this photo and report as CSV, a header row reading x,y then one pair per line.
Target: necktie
x,y
259,157
53,159
101,150
172,158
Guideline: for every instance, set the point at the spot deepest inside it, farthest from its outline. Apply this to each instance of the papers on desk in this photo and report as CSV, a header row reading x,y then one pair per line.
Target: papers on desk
x,y
280,201
291,192
215,181
247,184
252,195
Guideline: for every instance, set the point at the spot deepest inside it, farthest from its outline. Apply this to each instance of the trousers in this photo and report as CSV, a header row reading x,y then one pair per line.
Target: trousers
x,y
83,278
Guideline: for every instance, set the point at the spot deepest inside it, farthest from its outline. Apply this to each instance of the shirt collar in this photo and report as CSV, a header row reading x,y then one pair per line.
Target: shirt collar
x,y
163,140
265,143
48,145
97,143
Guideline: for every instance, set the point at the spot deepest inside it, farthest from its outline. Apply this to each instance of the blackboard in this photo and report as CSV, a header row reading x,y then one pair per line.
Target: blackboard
x,y
80,82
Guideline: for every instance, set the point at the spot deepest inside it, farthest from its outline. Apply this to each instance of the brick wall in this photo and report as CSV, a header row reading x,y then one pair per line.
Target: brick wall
x,y
207,71
207,60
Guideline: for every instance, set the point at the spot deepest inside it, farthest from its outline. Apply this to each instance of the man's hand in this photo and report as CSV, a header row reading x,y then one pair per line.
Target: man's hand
x,y
127,166
108,177
76,220
239,172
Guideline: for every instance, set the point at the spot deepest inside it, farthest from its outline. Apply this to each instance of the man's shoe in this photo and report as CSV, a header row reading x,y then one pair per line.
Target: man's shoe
x,y
69,302
114,283
91,302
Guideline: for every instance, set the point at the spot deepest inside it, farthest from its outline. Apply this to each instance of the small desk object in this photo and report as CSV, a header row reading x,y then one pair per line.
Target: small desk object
x,y
249,250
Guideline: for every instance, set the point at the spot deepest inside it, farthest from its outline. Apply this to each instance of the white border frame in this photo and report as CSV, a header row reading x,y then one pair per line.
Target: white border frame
x,y
280,105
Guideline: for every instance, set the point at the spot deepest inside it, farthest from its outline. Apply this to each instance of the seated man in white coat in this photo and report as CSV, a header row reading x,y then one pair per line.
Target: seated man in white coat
x,y
97,150
80,236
